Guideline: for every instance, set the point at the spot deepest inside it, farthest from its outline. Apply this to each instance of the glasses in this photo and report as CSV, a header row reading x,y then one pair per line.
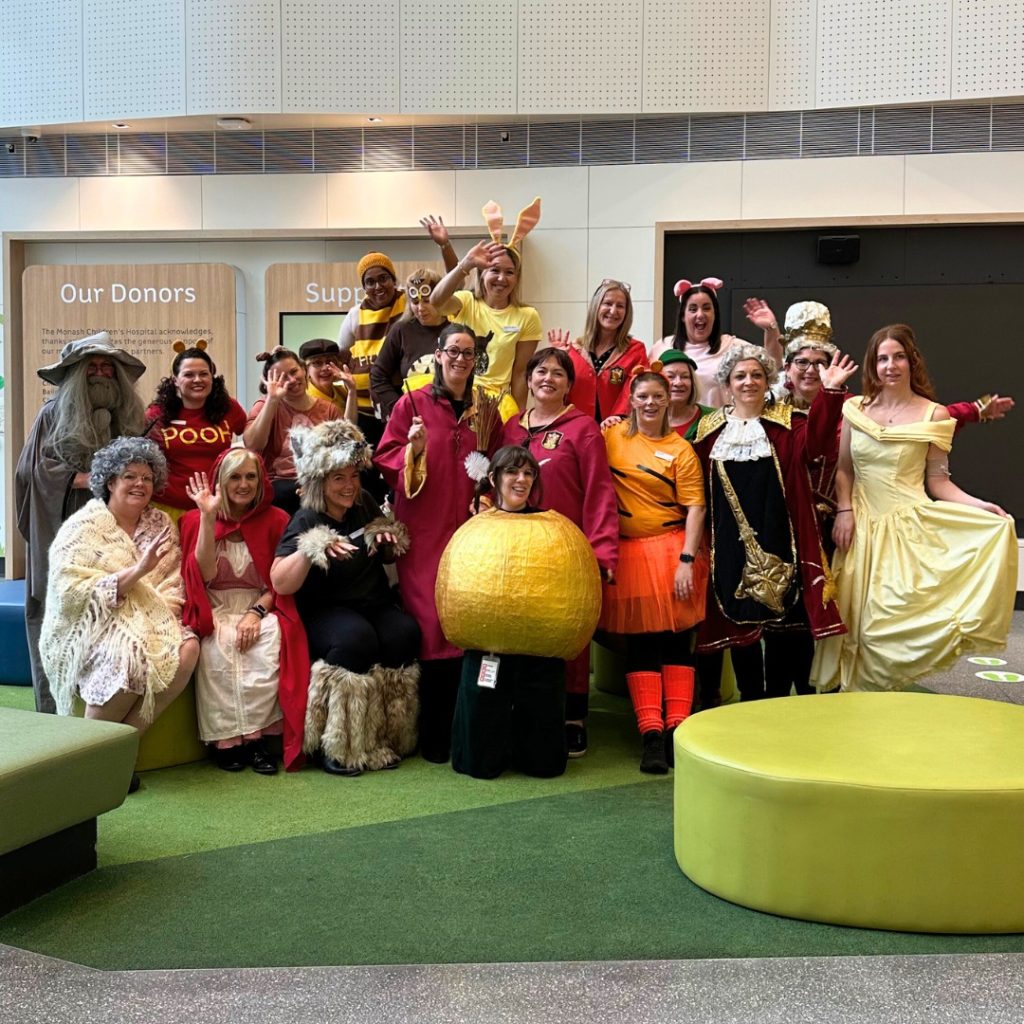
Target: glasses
x,y
376,282
131,478
610,282
801,363
454,353
419,292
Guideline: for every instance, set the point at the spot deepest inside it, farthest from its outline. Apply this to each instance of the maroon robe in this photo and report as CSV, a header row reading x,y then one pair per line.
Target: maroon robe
x,y
574,477
436,511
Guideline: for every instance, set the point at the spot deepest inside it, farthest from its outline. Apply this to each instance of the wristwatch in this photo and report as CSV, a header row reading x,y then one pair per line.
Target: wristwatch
x,y
686,559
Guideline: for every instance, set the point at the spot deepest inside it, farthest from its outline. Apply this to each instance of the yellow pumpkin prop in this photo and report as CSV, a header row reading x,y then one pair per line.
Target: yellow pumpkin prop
x,y
519,584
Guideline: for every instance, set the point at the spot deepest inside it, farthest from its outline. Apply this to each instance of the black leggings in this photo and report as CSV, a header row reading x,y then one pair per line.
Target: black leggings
x,y
377,635
648,652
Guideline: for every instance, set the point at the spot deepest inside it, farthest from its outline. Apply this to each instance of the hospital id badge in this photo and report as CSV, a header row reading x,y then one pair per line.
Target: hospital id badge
x,y
488,677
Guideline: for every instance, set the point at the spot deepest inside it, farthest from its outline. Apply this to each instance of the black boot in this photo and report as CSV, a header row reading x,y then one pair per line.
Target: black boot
x,y
262,760
652,760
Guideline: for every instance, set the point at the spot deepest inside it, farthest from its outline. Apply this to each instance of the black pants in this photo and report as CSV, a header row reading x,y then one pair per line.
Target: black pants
x,y
377,635
519,724
439,688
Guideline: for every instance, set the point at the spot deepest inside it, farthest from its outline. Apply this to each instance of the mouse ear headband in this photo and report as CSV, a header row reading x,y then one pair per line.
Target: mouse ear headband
x,y
683,286
529,217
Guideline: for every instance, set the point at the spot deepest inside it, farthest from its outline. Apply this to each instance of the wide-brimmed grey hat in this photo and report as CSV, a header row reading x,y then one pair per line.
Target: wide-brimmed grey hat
x,y
85,348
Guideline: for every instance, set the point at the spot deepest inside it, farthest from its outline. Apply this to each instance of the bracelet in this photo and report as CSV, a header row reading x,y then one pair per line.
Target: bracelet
x,y
839,510
259,610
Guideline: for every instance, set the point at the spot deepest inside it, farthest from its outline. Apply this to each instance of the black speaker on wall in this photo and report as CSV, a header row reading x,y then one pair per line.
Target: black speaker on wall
x,y
838,249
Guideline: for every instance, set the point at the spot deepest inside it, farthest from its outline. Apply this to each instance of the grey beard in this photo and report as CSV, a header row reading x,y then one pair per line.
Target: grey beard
x,y
104,393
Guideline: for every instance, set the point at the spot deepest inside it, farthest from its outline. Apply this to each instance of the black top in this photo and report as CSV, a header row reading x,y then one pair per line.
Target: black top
x,y
358,580
407,342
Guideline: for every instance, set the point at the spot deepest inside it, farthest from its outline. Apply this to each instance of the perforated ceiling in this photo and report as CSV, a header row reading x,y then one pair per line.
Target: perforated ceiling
x,y
988,48
134,58
233,57
582,56
875,51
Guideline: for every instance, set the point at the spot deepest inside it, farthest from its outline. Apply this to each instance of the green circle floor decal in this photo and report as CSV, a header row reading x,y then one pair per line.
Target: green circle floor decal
x,y
986,661
1001,677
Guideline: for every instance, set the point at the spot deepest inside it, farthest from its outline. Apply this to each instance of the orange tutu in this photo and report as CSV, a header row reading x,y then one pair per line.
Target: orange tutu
x,y
642,599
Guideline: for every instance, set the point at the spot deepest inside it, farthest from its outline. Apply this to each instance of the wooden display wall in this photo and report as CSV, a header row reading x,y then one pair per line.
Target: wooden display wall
x,y
145,308
319,288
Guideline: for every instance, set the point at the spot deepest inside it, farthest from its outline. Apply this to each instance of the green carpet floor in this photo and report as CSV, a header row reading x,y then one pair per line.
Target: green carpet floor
x,y
206,869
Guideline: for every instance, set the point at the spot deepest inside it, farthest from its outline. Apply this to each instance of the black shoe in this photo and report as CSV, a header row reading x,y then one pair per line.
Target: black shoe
x,y
263,762
652,760
333,767
231,759
576,739
133,786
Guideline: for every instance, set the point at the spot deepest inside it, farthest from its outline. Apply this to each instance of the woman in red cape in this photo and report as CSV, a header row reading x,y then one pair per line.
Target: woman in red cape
x,y
260,526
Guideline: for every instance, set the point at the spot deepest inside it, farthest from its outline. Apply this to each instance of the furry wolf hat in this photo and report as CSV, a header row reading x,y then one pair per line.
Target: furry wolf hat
x,y
321,450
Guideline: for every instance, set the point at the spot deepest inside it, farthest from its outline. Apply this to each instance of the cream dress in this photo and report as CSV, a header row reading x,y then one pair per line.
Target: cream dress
x,y
923,582
236,692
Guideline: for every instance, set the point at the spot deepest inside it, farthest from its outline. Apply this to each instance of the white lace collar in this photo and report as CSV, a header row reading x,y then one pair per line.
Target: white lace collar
x,y
741,441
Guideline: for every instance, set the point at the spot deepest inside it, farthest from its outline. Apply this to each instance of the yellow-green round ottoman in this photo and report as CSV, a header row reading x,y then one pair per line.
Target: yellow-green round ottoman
x,y
902,811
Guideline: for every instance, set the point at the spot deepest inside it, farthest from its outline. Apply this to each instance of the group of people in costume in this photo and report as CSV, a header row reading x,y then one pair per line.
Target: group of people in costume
x,y
710,504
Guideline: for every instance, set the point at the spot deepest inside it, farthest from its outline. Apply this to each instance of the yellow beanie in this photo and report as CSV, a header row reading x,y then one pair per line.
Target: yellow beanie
x,y
375,259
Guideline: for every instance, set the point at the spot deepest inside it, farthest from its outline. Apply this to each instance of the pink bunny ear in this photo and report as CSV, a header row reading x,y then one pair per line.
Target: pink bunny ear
x,y
681,288
494,220
714,283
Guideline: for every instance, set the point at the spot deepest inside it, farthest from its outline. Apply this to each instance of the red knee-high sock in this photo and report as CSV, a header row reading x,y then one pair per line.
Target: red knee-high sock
x,y
678,693
645,691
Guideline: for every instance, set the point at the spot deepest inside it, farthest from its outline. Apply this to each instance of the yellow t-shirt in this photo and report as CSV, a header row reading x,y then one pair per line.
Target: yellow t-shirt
x,y
655,479
509,327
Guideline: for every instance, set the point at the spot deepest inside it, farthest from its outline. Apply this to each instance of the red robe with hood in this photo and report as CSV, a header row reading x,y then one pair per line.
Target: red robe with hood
x,y
261,528
574,476
437,508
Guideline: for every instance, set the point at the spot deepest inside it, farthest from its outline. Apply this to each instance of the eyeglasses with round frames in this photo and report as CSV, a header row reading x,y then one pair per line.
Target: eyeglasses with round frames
x,y
454,353
420,292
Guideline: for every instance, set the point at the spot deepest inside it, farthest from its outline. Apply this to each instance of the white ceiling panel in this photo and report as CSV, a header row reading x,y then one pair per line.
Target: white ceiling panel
x,y
40,62
459,58
134,58
580,56
705,59
233,56
880,52
341,56
988,48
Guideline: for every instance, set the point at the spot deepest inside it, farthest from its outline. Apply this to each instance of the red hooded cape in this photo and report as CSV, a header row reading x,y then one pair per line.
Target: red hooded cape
x,y
261,529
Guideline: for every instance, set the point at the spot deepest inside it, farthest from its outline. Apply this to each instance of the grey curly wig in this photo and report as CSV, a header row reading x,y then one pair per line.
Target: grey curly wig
x,y
117,456
739,352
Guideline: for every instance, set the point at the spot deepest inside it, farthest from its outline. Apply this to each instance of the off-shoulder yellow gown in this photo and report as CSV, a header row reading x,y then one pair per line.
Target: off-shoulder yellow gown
x,y
924,582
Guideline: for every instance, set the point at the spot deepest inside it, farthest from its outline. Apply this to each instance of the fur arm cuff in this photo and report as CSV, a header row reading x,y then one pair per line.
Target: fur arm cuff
x,y
315,542
373,530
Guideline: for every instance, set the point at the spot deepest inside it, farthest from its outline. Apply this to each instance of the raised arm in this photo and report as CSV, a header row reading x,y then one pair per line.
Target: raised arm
x,y
435,228
479,257
760,314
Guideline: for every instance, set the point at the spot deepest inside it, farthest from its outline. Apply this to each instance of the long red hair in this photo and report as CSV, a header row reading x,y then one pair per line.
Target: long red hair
x,y
920,382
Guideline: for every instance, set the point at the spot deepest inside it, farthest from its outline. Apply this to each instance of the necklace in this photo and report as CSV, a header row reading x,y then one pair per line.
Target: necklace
x,y
897,409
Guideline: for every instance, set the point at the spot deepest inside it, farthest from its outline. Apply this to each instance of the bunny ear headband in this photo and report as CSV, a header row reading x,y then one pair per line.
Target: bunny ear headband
x,y
683,286
527,220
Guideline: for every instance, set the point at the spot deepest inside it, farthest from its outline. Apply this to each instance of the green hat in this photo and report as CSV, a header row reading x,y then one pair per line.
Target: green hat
x,y
673,355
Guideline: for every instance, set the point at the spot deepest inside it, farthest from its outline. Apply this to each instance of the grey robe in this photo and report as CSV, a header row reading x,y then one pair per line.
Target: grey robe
x,y
43,498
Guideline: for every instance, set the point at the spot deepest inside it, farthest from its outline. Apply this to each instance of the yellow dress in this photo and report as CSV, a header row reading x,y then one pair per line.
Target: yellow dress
x,y
924,582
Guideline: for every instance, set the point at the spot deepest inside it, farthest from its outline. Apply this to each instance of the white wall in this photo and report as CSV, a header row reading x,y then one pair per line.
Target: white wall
x,y
63,61
597,221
